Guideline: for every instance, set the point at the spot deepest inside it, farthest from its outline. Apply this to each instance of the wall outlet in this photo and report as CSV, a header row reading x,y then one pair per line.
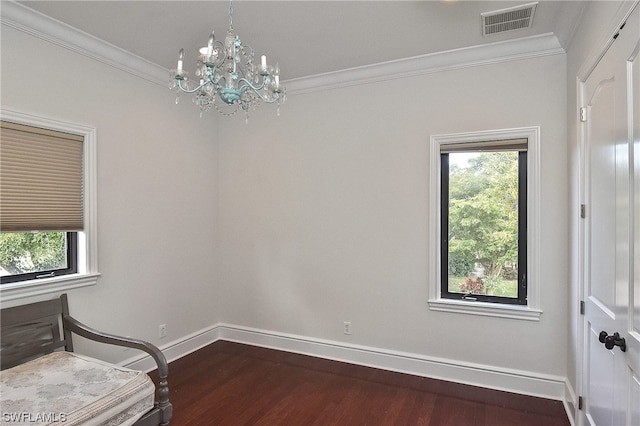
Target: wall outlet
x,y
162,330
347,327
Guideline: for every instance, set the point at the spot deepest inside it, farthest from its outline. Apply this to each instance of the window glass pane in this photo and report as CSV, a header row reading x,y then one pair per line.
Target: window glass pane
x,y
24,252
483,223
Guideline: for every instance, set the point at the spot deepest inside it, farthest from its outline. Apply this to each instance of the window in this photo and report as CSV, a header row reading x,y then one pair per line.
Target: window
x,y
484,189
47,192
36,255
483,221
41,190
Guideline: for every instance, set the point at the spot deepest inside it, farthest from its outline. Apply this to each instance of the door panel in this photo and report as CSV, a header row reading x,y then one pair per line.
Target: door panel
x,y
634,92
633,309
600,385
605,128
612,232
602,178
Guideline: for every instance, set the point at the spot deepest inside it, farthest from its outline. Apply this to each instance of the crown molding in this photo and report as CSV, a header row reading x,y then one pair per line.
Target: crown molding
x,y
34,23
22,18
486,54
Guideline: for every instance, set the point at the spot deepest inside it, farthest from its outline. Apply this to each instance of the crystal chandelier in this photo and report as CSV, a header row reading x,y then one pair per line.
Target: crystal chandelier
x,y
226,70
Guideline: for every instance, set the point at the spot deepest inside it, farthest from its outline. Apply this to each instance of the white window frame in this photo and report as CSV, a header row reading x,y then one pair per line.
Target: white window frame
x,y
532,310
24,291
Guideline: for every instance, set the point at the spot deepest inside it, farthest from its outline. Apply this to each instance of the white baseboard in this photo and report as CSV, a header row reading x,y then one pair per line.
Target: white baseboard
x,y
487,376
570,402
176,349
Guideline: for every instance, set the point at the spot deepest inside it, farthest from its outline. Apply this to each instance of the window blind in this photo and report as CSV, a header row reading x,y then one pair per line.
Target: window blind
x,y
502,145
41,179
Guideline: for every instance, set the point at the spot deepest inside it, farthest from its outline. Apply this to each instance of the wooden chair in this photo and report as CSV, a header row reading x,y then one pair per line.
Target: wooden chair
x,y
33,330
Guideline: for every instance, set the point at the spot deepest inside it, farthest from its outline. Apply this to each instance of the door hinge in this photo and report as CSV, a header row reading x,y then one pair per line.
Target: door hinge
x,y
583,211
582,307
583,114
580,403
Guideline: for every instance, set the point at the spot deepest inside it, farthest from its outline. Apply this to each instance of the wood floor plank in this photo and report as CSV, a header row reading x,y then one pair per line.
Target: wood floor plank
x,y
232,384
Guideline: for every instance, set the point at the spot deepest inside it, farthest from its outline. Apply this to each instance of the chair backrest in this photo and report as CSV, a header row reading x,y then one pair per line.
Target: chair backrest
x,y
29,331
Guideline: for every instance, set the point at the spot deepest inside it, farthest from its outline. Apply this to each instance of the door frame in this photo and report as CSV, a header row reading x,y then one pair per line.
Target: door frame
x,y
588,66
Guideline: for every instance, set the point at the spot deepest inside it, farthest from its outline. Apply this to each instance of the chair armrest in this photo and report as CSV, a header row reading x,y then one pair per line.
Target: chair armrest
x,y
83,330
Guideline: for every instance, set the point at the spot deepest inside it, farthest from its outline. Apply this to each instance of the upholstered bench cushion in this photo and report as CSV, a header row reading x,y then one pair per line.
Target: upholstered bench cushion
x,y
71,389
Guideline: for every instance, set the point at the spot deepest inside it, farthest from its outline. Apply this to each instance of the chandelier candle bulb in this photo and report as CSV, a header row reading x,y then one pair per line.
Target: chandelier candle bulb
x,y
180,59
264,62
212,40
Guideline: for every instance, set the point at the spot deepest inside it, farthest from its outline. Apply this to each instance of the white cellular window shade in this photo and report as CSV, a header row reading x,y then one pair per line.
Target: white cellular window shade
x,y
41,179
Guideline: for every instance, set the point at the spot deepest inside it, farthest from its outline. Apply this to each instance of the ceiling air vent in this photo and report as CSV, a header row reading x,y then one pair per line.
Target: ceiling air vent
x,y
512,18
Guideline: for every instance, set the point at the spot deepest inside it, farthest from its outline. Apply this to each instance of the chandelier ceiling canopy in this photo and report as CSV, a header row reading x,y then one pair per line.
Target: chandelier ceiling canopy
x,y
227,78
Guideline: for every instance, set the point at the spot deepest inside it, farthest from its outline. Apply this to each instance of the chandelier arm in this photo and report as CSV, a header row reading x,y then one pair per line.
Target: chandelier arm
x,y
268,101
214,78
256,90
251,86
186,90
221,54
224,82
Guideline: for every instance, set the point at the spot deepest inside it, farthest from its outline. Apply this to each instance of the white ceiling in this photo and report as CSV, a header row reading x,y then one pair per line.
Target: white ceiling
x,y
305,37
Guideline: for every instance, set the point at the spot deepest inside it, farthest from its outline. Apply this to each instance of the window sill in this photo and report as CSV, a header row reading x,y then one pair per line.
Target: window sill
x,y
12,292
485,309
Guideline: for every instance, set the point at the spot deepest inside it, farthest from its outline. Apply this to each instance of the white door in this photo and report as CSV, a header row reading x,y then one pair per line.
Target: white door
x,y
611,376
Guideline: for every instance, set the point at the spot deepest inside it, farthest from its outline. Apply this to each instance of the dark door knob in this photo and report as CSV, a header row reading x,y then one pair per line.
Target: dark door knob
x,y
612,341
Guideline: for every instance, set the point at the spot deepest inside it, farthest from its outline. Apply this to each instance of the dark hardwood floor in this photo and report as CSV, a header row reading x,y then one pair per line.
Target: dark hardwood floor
x,y
234,384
